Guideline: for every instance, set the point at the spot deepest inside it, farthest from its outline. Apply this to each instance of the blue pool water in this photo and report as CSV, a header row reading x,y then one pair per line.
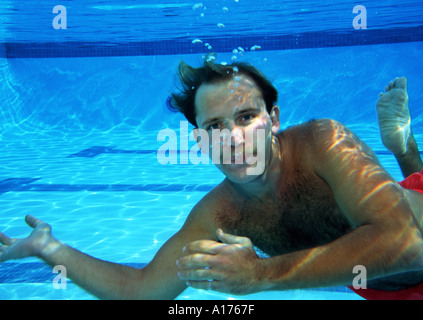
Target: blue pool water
x,y
81,110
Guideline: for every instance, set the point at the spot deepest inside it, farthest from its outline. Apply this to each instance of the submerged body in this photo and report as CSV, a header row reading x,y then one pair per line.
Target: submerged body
x,y
302,215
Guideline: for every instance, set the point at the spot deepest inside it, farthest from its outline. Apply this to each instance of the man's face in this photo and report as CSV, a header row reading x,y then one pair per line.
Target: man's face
x,y
234,115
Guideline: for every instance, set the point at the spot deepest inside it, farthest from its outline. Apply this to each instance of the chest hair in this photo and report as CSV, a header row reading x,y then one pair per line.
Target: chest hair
x,y
303,215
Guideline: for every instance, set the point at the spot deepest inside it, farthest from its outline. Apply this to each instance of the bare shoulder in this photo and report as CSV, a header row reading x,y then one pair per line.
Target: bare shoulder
x,y
203,215
320,129
313,131
323,138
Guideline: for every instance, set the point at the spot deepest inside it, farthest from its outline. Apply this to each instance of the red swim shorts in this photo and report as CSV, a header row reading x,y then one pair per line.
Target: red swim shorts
x,y
413,182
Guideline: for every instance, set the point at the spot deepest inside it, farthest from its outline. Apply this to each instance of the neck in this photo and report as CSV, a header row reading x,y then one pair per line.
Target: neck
x,y
267,182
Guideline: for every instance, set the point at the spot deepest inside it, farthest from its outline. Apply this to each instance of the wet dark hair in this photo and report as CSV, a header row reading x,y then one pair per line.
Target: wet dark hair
x,y
192,78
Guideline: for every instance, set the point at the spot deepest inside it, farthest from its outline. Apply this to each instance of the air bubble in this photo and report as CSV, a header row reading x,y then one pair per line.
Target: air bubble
x,y
210,58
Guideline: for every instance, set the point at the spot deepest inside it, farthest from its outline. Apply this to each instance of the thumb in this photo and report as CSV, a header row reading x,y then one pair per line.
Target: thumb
x,y
229,238
33,221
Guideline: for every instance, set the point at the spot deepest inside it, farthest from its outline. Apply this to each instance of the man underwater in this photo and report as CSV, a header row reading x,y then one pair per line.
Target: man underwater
x,y
322,205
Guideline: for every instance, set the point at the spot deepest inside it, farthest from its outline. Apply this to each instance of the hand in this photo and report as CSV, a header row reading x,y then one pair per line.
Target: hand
x,y
231,266
39,241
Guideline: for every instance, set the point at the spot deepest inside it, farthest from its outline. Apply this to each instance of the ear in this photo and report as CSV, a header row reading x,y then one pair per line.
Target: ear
x,y
274,116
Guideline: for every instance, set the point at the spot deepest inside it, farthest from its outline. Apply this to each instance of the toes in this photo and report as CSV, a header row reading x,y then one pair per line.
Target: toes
x,y
401,83
389,86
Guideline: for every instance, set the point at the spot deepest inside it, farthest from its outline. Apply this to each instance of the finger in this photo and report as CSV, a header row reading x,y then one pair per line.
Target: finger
x,y
33,221
205,285
195,261
231,239
5,239
203,246
196,274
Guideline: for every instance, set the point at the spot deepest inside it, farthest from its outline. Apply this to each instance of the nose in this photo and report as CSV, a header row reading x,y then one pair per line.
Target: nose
x,y
237,136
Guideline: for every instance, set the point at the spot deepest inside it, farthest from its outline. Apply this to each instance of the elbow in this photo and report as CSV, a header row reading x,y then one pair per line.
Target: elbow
x,y
412,253
414,261
405,240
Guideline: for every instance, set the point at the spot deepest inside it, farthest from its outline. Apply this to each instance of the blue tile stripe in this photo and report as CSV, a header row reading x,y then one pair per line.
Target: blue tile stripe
x,y
320,39
38,272
97,150
27,184
13,184
94,151
21,185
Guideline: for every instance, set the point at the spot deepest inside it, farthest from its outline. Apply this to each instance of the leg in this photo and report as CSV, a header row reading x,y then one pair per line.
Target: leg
x,y
395,126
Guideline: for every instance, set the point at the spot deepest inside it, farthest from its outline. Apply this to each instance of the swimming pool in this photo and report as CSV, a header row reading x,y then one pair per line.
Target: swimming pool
x,y
82,107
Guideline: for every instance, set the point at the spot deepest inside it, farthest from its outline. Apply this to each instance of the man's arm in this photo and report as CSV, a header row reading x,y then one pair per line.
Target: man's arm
x,y
386,239
106,280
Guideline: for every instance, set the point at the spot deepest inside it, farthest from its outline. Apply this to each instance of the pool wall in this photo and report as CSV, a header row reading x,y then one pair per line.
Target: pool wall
x,y
68,94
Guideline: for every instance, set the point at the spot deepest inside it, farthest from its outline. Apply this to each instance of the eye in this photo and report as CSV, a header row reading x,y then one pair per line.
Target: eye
x,y
247,117
213,126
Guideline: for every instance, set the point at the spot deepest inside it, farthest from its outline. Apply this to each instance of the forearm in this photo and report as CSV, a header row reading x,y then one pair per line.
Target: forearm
x,y
103,279
332,264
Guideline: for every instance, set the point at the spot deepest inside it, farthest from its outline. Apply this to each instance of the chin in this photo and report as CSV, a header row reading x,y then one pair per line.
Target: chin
x,y
238,174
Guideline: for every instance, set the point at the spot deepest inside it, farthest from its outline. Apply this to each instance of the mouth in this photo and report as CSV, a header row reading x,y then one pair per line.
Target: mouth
x,y
237,159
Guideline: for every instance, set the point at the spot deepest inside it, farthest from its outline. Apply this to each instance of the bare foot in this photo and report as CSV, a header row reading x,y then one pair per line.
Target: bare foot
x,y
394,116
